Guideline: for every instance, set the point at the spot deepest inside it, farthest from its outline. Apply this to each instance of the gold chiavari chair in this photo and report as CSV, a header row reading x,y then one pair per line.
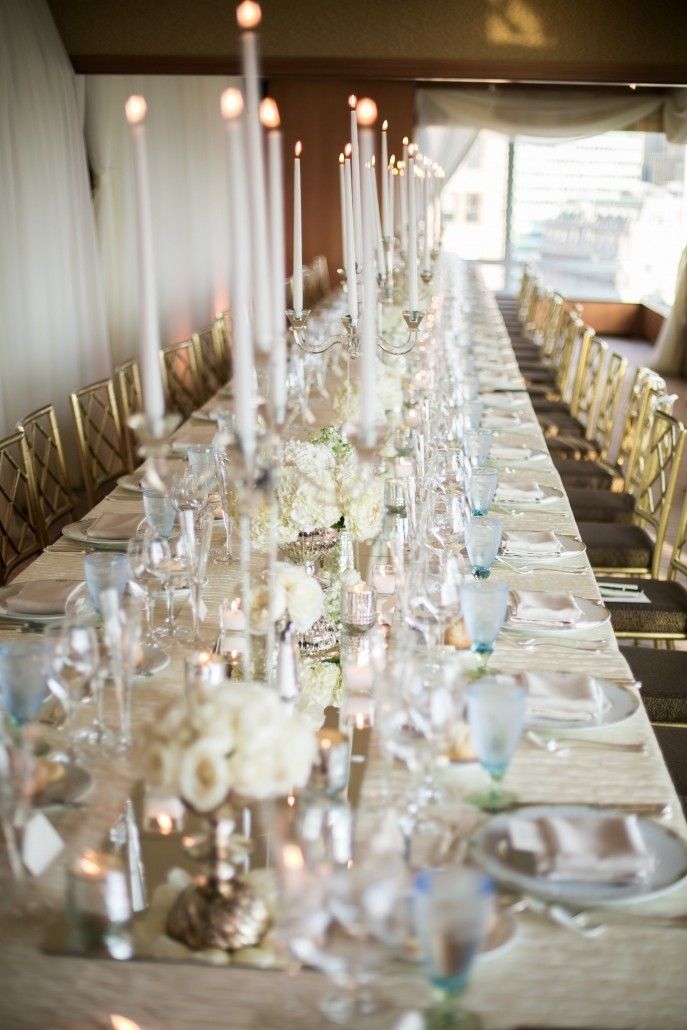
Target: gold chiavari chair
x,y
102,450
22,532
588,381
320,271
212,357
526,286
180,376
619,550
41,446
127,381
566,347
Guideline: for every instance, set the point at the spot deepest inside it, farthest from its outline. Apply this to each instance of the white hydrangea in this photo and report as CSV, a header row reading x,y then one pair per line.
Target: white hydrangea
x,y
321,681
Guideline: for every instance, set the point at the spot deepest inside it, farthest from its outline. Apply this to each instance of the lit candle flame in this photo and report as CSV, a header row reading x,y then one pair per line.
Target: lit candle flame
x,y
292,857
135,109
352,101
348,150
248,15
269,113
165,823
392,160
298,149
341,159
122,1023
290,801
405,141
89,864
366,112
231,103
385,125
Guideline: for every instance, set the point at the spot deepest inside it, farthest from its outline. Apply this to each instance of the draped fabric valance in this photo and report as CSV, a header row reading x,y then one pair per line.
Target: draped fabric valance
x,y
549,112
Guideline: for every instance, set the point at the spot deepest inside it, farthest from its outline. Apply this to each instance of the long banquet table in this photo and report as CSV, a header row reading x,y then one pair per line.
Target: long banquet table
x,y
630,976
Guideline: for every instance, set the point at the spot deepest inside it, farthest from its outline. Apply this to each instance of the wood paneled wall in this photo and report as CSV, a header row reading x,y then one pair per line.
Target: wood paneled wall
x,y
317,113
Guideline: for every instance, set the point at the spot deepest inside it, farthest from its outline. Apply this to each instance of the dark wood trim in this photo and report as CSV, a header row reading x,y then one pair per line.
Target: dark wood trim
x,y
650,74
621,318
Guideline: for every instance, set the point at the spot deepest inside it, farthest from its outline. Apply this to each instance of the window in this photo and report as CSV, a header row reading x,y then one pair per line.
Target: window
x,y
602,218
473,206
474,158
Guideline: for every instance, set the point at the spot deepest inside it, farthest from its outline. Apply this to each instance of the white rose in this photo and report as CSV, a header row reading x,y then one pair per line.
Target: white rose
x,y
305,603
162,765
204,780
170,719
321,681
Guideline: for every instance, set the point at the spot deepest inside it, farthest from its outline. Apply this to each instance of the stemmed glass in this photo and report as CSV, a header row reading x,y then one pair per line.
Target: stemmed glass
x,y
496,716
196,547
222,556
170,569
484,611
482,541
122,631
76,660
142,580
451,908
480,487
190,490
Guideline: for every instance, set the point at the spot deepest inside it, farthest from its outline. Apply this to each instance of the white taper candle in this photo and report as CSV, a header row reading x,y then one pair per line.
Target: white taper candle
x,y
297,234
351,275
355,178
269,115
412,235
367,114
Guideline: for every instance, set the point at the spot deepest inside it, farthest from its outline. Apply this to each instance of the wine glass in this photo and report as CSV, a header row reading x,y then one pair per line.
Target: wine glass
x,y
195,547
76,659
190,489
482,541
480,487
170,569
484,611
224,555
496,716
450,908
142,580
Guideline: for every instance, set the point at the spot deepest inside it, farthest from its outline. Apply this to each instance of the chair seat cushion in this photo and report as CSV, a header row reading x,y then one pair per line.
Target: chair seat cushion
x,y
672,741
544,404
663,675
616,547
564,423
600,505
588,474
538,375
667,612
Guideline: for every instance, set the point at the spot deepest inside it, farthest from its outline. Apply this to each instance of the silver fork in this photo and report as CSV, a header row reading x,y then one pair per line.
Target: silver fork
x,y
563,747
526,570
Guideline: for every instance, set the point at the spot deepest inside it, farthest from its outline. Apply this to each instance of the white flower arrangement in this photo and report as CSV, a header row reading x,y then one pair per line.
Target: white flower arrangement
x,y
320,484
321,685
298,597
240,738
389,392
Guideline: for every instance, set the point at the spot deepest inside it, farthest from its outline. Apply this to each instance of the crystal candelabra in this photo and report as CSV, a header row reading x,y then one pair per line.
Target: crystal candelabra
x,y
350,337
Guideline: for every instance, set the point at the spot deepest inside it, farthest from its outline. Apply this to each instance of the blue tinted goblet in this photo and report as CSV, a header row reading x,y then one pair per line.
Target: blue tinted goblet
x,y
450,908
25,669
480,486
477,446
482,541
484,610
160,512
105,572
496,716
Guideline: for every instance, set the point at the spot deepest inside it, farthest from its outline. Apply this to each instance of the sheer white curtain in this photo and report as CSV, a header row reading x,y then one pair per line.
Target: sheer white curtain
x,y
186,153
52,321
448,147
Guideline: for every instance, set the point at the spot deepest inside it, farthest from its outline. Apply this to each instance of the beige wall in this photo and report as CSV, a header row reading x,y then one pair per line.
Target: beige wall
x,y
624,40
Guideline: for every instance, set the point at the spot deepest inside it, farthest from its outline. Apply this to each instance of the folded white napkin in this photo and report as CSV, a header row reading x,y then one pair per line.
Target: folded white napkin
x,y
113,526
526,544
509,452
563,696
507,491
504,400
592,850
501,420
41,597
551,608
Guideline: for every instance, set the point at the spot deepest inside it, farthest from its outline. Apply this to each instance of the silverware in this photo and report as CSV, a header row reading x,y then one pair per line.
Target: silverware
x,y
563,746
593,922
649,809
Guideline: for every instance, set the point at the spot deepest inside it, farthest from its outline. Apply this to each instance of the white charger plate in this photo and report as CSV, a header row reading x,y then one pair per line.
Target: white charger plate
x,y
571,547
526,454
593,615
622,703
489,848
501,401
78,531
550,495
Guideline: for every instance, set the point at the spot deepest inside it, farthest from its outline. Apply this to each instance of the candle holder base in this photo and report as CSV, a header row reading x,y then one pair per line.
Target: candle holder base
x,y
298,327
426,276
413,320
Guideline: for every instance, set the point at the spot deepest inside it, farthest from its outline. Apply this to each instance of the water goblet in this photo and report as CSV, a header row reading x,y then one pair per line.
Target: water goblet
x,y
471,414
224,555
482,541
76,659
159,562
480,486
103,572
450,908
160,512
484,610
477,447
496,716
190,489
25,671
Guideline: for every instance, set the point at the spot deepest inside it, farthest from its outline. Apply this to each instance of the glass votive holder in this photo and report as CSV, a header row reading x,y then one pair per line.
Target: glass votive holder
x,y
163,813
203,674
395,495
383,577
99,906
358,607
330,769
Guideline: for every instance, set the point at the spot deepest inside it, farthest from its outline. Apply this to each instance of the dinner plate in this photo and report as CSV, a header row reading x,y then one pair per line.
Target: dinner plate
x,y
550,495
621,704
499,401
593,615
210,414
70,788
496,420
525,453
78,531
14,588
489,848
571,547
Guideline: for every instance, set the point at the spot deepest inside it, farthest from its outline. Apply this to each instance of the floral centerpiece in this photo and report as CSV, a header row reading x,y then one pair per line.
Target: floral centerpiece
x,y
240,739
298,598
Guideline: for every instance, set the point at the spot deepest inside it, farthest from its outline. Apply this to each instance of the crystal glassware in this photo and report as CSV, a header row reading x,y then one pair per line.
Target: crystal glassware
x,y
496,716
103,572
451,908
140,579
76,659
482,541
480,486
170,569
471,414
25,670
160,512
224,555
195,540
484,610
477,446
122,632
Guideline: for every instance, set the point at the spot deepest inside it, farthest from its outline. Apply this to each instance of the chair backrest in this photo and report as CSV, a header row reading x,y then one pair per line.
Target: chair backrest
x,y
677,565
102,450
659,479
22,533
212,357
646,387
609,400
127,381
524,290
588,379
564,355
42,451
180,376
552,315
320,271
